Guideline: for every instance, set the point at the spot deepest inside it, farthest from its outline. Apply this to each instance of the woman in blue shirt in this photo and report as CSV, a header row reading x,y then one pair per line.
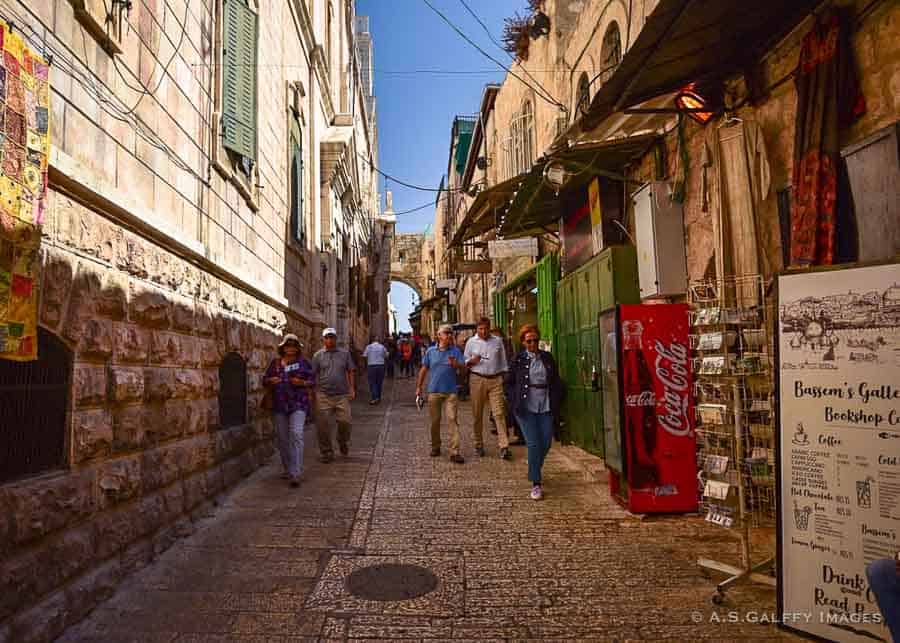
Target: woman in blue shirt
x,y
535,391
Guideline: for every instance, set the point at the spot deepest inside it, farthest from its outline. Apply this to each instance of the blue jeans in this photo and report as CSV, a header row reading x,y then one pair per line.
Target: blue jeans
x,y
885,583
289,431
538,430
376,380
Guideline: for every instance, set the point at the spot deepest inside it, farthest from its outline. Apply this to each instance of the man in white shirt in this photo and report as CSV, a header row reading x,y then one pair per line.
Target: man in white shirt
x,y
376,355
485,358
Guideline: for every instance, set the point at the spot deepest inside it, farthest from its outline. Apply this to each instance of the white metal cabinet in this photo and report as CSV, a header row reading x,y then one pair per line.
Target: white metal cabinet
x,y
659,236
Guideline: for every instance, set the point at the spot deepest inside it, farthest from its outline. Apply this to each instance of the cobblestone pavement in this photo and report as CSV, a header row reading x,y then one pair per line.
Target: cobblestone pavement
x,y
271,564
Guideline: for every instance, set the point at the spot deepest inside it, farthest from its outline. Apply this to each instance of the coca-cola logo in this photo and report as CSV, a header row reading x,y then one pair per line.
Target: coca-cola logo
x,y
672,372
644,398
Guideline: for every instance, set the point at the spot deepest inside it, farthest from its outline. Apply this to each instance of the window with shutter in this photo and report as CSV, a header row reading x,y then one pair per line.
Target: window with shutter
x,y
298,218
239,78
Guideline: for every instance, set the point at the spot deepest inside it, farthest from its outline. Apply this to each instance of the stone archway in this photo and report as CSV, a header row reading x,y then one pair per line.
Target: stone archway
x,y
411,262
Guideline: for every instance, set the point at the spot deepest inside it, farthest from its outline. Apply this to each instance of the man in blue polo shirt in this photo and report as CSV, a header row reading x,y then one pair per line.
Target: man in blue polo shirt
x,y
440,366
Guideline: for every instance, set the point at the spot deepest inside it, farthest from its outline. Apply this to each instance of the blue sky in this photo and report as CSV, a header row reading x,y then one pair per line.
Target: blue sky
x,y
416,110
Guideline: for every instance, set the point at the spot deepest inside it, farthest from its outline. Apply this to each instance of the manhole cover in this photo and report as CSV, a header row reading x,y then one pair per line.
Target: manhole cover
x,y
391,582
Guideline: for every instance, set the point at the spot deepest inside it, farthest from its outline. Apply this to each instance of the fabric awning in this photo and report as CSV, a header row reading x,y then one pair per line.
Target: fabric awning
x,y
537,207
694,40
487,206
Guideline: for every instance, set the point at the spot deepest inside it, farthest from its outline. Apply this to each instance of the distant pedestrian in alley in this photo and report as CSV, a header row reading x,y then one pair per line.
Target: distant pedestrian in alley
x,y
535,391
406,353
336,381
376,357
289,380
439,367
485,358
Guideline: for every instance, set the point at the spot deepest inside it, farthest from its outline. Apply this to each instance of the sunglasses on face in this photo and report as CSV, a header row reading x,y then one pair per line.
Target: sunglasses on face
x,y
531,341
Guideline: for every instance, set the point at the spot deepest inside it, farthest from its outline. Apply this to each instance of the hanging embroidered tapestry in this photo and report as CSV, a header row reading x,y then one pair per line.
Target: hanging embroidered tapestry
x,y
828,100
24,154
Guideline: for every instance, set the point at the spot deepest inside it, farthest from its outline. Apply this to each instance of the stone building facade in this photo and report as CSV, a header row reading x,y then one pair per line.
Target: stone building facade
x,y
174,257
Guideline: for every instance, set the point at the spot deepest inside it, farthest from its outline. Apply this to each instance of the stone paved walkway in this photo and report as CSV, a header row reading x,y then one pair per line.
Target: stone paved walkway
x,y
271,564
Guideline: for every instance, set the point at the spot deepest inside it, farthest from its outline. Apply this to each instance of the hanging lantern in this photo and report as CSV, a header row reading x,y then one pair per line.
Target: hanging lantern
x,y
695,96
556,175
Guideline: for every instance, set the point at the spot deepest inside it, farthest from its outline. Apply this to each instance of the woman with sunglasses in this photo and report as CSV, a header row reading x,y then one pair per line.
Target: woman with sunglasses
x,y
535,392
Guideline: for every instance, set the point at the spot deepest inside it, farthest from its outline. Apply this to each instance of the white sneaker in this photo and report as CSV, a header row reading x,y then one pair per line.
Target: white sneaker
x,y
537,493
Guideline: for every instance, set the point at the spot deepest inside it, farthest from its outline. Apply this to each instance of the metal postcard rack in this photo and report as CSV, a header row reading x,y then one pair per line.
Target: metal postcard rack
x,y
731,340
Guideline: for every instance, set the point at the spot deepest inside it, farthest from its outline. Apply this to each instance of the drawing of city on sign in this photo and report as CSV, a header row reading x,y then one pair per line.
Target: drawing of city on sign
x,y
831,330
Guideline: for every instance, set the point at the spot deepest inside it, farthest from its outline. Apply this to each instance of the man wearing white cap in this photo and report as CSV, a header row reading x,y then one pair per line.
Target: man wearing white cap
x,y
336,380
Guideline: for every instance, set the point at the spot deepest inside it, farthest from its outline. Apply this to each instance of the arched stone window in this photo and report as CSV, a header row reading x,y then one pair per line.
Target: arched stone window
x,y
582,95
610,53
520,154
34,405
232,391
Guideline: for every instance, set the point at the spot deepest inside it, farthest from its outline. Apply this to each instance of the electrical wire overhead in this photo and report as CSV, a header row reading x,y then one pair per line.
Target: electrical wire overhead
x,y
462,35
404,183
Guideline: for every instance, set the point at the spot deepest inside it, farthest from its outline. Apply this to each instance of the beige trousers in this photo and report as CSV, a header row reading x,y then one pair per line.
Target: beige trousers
x,y
437,403
488,390
339,407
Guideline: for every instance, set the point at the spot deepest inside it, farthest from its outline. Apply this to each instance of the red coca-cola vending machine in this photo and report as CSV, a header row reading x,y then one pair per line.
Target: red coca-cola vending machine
x,y
657,470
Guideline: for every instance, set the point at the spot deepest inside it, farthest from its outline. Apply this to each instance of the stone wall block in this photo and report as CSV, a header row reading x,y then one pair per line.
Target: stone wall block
x,y
89,385
173,503
136,556
149,306
212,413
126,384
128,428
159,383
97,340
177,418
232,472
209,288
92,434
190,281
160,425
117,528
86,286
188,383
203,320
190,351
159,468
210,382
59,272
39,507
195,490
211,352
118,480
183,316
130,343
93,588
133,257
165,348
112,300
227,297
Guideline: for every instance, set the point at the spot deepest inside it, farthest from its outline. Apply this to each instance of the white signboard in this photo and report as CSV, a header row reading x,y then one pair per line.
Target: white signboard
x,y
513,248
446,283
839,446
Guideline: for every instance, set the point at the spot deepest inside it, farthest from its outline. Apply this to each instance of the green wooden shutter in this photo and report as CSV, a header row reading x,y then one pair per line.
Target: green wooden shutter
x,y
298,219
500,316
239,78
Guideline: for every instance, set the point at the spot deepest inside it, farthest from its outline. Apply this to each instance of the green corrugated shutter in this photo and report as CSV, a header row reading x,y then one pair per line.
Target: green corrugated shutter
x,y
500,319
547,279
239,78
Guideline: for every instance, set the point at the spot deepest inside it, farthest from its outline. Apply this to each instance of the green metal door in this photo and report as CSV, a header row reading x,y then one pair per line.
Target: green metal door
x,y
606,280
500,310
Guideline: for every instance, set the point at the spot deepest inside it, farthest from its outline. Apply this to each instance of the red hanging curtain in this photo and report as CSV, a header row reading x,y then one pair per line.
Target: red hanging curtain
x,y
828,100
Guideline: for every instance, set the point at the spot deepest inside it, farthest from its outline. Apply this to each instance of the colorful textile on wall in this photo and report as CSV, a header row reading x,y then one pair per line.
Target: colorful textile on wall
x,y
828,100
24,154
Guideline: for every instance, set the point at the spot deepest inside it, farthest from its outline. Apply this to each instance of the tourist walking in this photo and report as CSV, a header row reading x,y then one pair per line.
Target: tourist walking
x,y
376,357
406,352
485,358
535,392
335,376
439,367
288,380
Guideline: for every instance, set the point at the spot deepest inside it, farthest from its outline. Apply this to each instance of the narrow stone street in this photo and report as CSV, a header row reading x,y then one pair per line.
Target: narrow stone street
x,y
271,564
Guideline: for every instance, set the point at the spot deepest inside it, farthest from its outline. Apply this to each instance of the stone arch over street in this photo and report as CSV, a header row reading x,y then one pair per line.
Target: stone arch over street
x,y
410,262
